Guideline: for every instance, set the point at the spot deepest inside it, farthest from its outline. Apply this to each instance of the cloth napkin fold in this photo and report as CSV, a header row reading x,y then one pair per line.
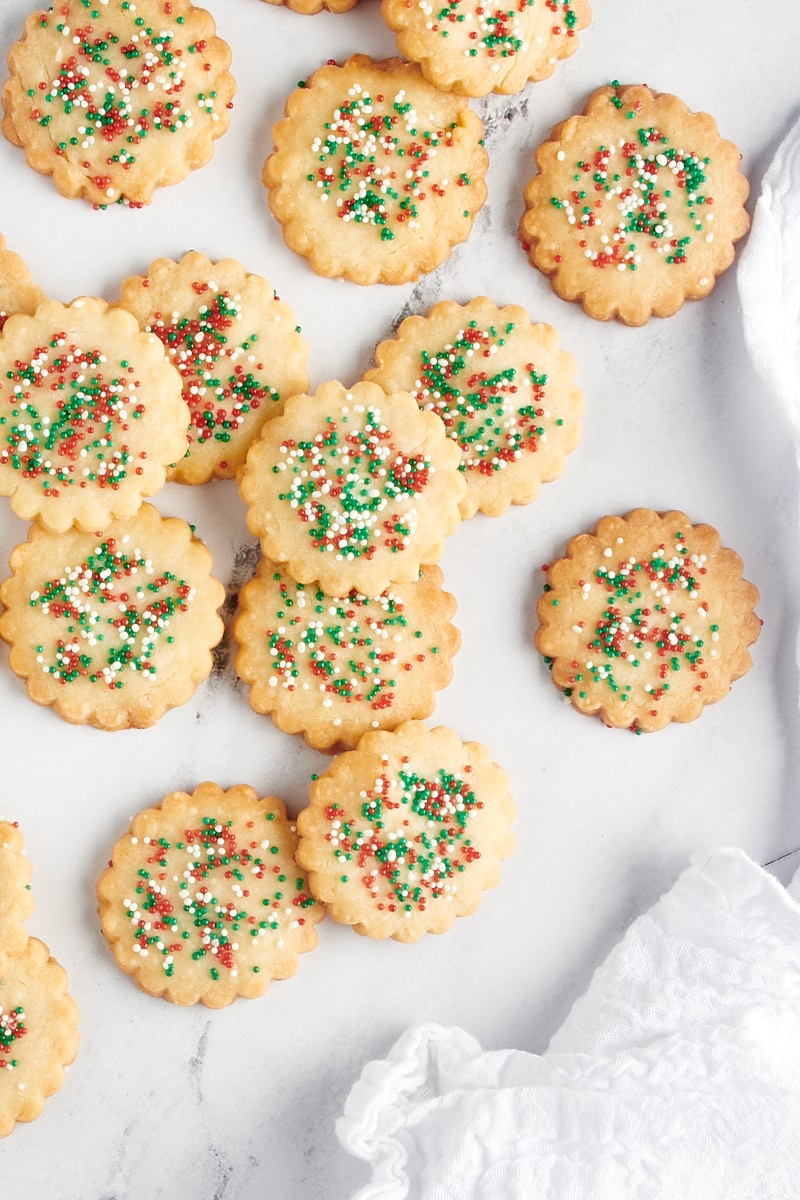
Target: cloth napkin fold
x,y
769,281
676,1076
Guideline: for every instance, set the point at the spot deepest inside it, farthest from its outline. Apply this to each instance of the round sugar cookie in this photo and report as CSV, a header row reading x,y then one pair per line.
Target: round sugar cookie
x,y
474,49
237,349
646,620
38,1033
503,389
334,667
116,99
18,293
112,629
352,488
636,207
376,175
16,898
404,833
202,901
91,414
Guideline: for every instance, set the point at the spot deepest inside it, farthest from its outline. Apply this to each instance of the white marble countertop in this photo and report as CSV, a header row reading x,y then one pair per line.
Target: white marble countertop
x,y
240,1104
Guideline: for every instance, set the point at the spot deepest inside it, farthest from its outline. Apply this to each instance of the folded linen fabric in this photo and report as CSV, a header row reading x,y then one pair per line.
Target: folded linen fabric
x,y
676,1075
768,278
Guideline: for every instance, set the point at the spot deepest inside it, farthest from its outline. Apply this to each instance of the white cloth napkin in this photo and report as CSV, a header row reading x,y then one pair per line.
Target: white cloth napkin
x,y
676,1076
769,281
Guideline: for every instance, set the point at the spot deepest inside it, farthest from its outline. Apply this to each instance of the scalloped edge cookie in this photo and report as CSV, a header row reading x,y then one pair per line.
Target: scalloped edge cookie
x,y
18,292
357,838
123,456
646,620
16,897
650,259
231,394
184,624
332,668
384,230
526,383
237,953
92,169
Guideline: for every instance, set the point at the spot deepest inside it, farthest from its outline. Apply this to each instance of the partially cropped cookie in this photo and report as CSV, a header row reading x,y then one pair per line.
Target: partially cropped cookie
x,y
636,207
116,99
311,7
38,1033
352,488
376,175
334,667
18,292
475,48
503,389
16,899
202,901
404,833
235,345
112,628
91,414
646,620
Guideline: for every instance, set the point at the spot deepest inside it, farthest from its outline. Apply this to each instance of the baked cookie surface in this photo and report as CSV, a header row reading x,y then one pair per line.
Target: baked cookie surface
x,y
636,207
16,898
112,629
404,833
352,488
90,414
114,99
503,389
474,49
235,345
18,292
311,7
334,667
376,175
38,1033
203,902
646,620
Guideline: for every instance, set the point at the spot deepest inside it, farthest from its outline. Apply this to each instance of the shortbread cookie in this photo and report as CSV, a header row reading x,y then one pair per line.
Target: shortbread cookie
x,y
503,389
646,620
115,99
18,293
16,898
38,1033
403,833
333,667
376,174
636,207
202,900
112,628
90,414
310,7
236,346
353,488
475,49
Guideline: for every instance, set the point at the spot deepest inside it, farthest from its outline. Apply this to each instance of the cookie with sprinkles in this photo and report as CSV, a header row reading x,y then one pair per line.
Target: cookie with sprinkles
x,y
112,629
503,389
16,898
376,175
404,833
636,207
203,902
646,620
236,346
38,1033
91,414
115,98
334,667
353,488
18,292
473,48
311,7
